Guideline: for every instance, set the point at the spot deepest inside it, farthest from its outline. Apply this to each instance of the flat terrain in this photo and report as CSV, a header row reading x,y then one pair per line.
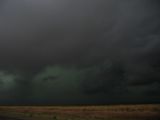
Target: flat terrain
x,y
110,112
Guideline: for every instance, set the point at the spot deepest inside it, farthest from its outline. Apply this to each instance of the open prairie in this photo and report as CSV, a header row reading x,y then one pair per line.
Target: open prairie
x,y
108,112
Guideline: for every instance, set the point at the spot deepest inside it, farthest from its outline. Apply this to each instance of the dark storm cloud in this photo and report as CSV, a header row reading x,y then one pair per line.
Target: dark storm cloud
x,y
111,47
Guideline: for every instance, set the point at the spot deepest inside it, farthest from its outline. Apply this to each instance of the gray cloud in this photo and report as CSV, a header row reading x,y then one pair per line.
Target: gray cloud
x,y
113,45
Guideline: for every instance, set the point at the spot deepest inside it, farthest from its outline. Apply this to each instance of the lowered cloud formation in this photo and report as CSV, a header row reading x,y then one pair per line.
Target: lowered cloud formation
x,y
79,52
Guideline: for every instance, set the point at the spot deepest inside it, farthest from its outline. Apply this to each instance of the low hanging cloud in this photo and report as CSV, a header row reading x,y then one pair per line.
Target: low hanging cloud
x,y
89,52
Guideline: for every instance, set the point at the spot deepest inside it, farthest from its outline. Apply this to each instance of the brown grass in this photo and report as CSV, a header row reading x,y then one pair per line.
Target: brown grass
x,y
115,112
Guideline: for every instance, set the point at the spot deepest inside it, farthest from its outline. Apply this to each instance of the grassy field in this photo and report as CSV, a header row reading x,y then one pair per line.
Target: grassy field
x,y
110,112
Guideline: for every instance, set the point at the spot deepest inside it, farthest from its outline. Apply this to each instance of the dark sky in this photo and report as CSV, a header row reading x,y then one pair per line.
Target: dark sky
x,y
79,52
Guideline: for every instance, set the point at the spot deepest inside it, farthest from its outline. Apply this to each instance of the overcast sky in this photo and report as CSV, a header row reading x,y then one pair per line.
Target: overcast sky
x,y
79,51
